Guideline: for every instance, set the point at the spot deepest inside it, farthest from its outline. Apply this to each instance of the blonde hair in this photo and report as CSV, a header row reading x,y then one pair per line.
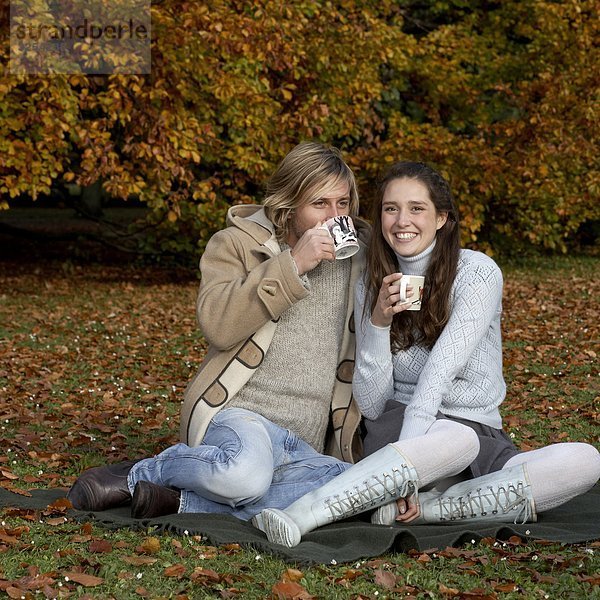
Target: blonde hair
x,y
307,170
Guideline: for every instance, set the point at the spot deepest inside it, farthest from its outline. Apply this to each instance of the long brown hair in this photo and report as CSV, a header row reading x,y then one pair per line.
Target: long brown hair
x,y
424,326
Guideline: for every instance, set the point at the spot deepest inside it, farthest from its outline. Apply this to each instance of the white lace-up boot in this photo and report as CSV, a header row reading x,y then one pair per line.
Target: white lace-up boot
x,y
375,480
504,496
386,514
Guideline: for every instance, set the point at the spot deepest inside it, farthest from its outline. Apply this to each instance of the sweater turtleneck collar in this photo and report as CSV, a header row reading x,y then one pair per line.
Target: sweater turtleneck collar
x,y
415,265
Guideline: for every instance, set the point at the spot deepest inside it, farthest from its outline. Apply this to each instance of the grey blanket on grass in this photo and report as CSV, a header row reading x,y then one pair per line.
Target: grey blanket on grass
x,y
346,541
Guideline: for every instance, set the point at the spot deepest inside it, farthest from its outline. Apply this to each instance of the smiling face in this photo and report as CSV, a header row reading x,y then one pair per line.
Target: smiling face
x,y
329,201
409,219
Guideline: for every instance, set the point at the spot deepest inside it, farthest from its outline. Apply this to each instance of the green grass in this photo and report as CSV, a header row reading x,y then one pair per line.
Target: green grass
x,y
135,564
93,364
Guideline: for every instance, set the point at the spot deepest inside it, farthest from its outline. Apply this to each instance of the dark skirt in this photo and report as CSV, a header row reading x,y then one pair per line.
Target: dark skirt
x,y
495,446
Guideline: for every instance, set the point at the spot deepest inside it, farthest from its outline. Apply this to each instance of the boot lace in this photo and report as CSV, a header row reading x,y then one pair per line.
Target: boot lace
x,y
378,489
483,502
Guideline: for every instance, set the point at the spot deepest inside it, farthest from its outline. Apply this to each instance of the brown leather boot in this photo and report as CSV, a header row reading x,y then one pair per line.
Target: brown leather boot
x,y
101,488
152,500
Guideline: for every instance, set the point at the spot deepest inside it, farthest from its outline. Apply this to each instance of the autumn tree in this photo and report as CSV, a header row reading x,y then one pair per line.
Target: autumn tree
x,y
499,96
503,98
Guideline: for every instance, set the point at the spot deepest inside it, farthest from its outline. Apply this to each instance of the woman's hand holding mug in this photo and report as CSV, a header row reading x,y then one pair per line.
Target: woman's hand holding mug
x,y
389,300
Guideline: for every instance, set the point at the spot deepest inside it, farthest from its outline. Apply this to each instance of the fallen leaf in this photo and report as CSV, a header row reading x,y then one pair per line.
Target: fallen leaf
x,y
138,561
200,573
446,591
292,575
385,579
100,547
83,579
290,591
150,545
175,571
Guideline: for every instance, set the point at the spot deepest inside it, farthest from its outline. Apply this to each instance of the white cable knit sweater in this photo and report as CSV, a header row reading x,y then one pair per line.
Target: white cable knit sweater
x,y
460,376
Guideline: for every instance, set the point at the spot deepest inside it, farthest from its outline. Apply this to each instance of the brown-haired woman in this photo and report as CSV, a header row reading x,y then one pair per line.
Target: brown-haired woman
x,y
429,384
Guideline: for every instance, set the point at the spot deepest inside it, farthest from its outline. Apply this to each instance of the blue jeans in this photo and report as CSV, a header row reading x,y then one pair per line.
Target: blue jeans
x,y
245,463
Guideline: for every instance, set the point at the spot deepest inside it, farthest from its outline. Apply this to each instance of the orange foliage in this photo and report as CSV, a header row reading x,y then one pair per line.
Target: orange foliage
x,y
500,99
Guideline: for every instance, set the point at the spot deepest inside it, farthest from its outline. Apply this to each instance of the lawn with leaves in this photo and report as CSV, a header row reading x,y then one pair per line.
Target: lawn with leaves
x,y
93,363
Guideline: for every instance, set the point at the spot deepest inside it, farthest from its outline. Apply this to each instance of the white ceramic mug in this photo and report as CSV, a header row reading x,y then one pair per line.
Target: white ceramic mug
x,y
417,283
342,232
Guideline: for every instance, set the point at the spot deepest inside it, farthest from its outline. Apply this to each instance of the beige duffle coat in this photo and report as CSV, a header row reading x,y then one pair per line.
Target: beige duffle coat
x,y
247,283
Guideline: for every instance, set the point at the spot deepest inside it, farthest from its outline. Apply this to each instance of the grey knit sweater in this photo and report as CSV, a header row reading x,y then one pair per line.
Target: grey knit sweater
x,y
293,385
462,374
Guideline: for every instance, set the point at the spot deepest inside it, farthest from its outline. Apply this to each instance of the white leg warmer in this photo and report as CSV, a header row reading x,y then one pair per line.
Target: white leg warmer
x,y
559,472
444,451
529,483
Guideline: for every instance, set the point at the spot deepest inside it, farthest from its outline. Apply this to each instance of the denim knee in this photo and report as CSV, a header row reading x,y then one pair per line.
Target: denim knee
x,y
243,485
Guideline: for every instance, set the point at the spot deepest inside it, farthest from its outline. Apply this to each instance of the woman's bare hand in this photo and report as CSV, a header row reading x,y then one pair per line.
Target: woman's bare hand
x,y
388,301
408,509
